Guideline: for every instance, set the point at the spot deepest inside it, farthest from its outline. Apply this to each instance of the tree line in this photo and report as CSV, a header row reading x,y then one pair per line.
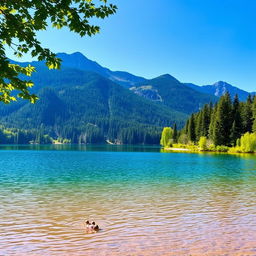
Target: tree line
x,y
226,123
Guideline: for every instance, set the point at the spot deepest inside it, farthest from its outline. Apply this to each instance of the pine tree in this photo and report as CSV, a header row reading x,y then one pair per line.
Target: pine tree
x,y
212,122
192,129
236,129
199,125
247,115
186,126
223,123
254,114
206,117
175,134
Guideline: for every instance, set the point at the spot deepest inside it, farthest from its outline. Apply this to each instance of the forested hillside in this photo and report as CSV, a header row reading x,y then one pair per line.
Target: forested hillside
x,y
92,111
84,102
168,91
223,123
229,125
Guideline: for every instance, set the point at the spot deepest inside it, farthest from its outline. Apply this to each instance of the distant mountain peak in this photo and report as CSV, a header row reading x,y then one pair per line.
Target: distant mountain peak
x,y
221,83
78,61
167,76
220,88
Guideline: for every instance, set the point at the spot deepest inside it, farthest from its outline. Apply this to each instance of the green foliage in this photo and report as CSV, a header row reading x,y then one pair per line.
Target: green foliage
x,y
225,122
247,115
178,96
190,147
248,142
254,114
221,148
84,107
60,140
167,137
21,136
183,139
203,143
19,23
236,129
175,133
192,129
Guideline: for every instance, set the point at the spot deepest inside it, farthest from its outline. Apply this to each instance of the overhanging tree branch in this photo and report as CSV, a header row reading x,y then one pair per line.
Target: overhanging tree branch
x,y
20,20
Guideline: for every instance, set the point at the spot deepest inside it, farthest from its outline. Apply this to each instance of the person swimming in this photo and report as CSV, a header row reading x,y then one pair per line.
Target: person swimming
x,y
91,227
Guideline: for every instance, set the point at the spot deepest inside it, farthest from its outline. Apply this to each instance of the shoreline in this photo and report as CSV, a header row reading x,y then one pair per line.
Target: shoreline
x,y
178,149
175,149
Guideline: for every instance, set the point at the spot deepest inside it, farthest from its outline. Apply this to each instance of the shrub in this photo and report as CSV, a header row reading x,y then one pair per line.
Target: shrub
x,y
211,147
248,142
183,139
203,143
222,149
166,137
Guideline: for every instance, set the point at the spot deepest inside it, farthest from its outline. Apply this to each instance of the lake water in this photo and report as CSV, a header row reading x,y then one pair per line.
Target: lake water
x,y
146,202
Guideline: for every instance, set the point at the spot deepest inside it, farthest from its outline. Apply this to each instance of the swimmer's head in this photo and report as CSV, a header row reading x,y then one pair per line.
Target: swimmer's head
x,y
93,223
87,222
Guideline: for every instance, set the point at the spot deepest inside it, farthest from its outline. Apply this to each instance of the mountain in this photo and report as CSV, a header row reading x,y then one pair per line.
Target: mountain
x,y
86,107
79,61
220,88
168,91
85,102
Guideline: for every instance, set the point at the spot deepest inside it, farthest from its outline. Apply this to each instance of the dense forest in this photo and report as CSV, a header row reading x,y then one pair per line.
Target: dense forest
x,y
118,133
86,103
216,127
95,112
20,136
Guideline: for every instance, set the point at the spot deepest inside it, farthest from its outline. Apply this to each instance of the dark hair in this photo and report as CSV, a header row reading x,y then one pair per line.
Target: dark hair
x,y
93,223
87,222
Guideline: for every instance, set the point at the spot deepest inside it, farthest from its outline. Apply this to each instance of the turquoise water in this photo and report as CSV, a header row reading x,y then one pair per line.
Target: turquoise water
x,y
146,202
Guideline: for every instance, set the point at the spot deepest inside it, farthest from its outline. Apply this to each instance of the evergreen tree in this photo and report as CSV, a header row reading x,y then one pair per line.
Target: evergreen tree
x,y
247,115
236,129
212,122
175,133
199,125
223,122
186,126
254,114
206,117
192,129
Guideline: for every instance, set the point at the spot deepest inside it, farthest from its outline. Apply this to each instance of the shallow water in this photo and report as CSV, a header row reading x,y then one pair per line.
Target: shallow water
x,y
146,202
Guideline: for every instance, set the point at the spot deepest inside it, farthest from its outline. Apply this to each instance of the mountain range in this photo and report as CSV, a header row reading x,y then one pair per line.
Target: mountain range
x,y
220,88
88,103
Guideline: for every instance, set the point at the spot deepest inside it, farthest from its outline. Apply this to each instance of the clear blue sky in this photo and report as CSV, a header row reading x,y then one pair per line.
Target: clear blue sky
x,y
199,41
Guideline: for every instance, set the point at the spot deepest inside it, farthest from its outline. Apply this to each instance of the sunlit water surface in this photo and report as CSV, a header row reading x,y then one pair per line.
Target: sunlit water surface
x,y
146,202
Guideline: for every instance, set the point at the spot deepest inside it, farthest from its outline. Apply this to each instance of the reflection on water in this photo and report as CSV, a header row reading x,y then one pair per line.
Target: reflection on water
x,y
146,203
84,147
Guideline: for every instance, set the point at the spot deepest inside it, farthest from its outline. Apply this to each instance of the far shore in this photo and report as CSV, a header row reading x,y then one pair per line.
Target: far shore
x,y
178,149
175,149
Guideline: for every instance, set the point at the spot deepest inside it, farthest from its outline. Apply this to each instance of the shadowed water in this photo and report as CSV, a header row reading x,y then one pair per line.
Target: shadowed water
x,y
146,202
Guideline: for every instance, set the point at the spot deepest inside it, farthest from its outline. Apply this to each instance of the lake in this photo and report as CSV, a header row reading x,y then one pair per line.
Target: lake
x,y
146,202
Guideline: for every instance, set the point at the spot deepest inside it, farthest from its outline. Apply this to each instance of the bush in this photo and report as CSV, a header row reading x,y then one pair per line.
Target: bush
x,y
203,143
248,143
235,150
222,149
211,147
183,139
166,137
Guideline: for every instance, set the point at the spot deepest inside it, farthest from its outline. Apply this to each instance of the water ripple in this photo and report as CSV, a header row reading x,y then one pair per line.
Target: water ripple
x,y
145,203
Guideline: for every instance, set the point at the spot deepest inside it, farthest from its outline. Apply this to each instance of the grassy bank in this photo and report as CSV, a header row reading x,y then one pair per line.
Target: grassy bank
x,y
210,148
